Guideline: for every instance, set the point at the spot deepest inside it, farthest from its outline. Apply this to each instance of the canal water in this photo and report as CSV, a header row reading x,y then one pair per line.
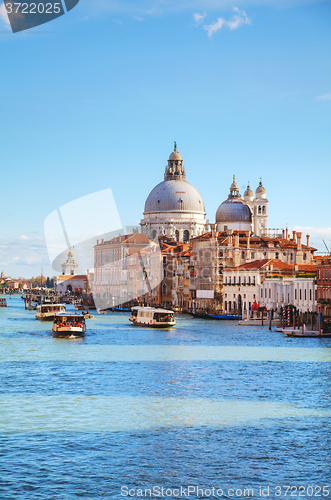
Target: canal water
x,y
208,409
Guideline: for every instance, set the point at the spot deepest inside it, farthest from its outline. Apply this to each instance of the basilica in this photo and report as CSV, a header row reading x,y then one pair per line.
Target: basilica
x,y
175,208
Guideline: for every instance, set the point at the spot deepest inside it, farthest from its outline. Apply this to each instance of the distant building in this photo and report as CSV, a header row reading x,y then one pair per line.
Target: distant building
x,y
70,280
70,267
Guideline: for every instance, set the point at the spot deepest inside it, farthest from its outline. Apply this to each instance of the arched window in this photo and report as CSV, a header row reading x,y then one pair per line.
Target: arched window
x,y
186,236
164,289
277,255
154,233
304,256
263,209
260,209
243,255
177,235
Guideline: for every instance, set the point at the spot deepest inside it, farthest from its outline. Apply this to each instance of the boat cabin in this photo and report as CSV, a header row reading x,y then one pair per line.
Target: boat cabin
x,y
48,311
152,317
69,324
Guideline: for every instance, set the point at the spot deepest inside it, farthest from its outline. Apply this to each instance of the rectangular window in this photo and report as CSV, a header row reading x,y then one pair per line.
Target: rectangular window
x,y
265,293
310,294
225,305
253,280
300,294
225,280
252,255
305,294
295,293
239,280
245,280
269,293
261,293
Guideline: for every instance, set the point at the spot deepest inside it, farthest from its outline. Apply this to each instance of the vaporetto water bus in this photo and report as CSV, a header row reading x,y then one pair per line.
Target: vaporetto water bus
x,y
47,312
69,325
152,317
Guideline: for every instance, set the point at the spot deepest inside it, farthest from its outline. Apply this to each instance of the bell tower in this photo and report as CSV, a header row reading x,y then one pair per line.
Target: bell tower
x,y
260,210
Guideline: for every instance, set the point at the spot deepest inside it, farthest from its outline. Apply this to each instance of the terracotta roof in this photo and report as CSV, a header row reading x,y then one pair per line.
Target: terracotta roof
x,y
277,265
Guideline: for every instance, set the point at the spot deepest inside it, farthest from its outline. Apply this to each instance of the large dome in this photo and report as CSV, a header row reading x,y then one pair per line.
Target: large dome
x,y
174,196
233,210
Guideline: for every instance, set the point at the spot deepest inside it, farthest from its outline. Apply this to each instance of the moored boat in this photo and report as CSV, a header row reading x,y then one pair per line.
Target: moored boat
x,y
152,317
47,312
69,325
216,316
3,303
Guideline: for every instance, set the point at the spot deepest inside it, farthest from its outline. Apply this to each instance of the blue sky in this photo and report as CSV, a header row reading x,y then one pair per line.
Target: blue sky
x,y
95,99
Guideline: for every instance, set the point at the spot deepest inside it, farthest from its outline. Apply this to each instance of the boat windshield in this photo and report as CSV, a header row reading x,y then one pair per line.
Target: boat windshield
x,y
134,312
164,317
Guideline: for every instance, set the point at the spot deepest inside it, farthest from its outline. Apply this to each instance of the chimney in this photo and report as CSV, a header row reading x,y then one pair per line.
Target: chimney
x,y
299,236
97,242
294,236
283,234
102,241
248,240
308,239
286,233
236,240
213,230
230,241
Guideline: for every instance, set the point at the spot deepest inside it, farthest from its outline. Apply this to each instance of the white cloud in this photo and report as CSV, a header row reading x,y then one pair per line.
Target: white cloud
x,y
3,16
198,18
23,250
323,97
239,18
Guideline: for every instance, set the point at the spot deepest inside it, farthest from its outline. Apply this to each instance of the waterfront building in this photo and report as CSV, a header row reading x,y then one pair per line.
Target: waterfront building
x,y
248,214
272,283
298,290
126,268
216,251
174,289
174,208
323,269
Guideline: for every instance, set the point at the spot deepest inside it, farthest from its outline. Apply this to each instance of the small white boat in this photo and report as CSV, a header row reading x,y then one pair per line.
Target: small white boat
x,y
69,325
102,311
47,312
152,317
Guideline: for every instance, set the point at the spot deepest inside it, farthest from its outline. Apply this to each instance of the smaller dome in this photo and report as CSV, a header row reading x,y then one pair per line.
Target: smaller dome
x,y
233,210
248,193
260,191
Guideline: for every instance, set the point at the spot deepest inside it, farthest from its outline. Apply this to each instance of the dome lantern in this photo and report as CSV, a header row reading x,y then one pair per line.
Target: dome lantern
x,y
175,169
